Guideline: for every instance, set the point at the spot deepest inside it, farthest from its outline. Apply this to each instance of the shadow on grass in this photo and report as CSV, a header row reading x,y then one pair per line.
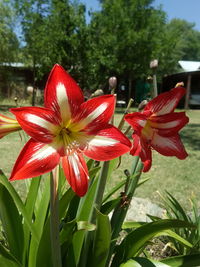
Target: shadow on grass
x,y
6,107
191,136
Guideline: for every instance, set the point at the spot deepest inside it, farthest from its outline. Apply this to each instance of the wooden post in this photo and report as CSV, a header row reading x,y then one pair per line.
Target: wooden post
x,y
130,87
154,66
155,88
188,89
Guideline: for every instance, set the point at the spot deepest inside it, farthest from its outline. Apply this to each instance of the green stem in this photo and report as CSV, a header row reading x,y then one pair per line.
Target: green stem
x,y
127,130
54,219
121,124
101,185
120,211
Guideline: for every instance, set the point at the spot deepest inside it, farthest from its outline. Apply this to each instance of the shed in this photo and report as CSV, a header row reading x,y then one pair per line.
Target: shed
x,y
190,75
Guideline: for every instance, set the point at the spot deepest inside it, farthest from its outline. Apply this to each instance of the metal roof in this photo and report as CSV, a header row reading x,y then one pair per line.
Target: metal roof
x,y
189,65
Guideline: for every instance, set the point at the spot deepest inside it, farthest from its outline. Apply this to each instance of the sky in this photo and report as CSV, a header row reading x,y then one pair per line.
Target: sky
x,y
183,9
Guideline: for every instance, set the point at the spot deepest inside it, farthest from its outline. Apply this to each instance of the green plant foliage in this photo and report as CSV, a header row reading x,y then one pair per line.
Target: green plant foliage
x,y
142,262
136,240
183,261
174,210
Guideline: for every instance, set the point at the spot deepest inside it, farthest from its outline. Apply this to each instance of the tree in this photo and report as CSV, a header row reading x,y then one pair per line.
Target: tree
x,y
8,40
124,37
189,38
51,32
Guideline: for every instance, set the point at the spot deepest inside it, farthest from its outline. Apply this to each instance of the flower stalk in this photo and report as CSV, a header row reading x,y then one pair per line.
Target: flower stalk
x,y
54,219
120,211
122,121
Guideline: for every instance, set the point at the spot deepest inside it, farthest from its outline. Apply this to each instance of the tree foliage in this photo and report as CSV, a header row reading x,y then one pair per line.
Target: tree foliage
x,y
8,40
121,39
124,36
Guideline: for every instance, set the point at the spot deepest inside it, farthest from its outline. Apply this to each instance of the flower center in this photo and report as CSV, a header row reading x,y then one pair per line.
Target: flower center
x,y
147,131
71,141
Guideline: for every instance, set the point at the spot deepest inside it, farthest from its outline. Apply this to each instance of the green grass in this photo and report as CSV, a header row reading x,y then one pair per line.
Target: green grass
x,y
180,177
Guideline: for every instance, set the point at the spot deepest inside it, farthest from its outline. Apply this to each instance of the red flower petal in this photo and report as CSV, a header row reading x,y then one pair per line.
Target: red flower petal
x,y
169,146
136,148
169,124
95,113
137,120
62,94
40,123
76,173
35,159
109,143
166,102
146,157
143,150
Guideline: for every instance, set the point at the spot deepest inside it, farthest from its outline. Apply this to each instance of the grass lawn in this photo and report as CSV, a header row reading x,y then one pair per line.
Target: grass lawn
x,y
180,178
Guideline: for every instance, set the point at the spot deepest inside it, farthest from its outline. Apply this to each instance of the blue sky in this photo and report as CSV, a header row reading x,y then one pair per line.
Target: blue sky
x,y
183,9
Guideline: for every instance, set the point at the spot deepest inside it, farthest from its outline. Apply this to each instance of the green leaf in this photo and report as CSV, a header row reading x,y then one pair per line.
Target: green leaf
x,y
176,236
113,190
44,248
137,239
7,259
67,232
12,224
41,215
143,262
170,233
177,208
32,195
128,225
183,261
20,205
90,163
83,225
143,181
30,206
83,214
93,172
42,204
110,205
5,262
112,166
102,241
64,202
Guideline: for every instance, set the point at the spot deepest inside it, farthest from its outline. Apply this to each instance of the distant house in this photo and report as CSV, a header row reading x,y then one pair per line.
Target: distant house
x,y
190,75
14,79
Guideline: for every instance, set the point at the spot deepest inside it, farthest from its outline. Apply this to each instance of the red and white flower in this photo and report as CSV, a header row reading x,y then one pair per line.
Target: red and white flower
x,y
157,127
66,129
8,125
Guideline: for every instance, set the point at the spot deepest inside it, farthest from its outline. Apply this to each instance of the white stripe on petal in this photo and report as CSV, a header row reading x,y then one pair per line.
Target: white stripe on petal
x,y
96,113
63,102
42,153
41,122
90,117
166,107
142,122
163,142
102,141
166,125
73,159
